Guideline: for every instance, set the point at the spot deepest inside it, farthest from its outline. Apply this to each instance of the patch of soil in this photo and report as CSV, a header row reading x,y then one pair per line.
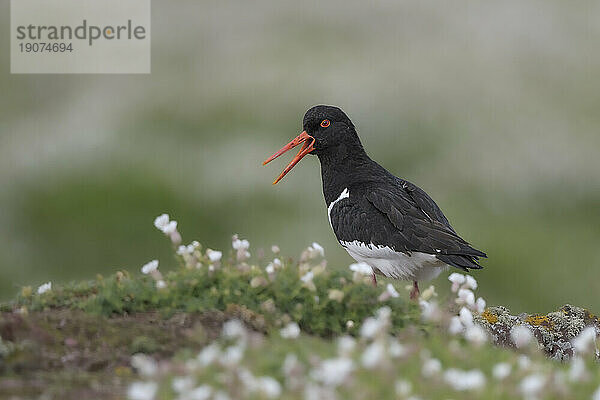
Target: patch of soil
x,y
74,355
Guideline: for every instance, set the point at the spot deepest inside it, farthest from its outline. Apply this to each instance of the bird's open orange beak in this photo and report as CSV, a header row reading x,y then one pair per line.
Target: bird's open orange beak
x,y
306,148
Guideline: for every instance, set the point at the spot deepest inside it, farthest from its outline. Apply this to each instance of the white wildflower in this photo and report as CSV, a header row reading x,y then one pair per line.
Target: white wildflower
x,y
241,247
44,288
290,331
170,228
373,355
578,371
247,379
275,249
346,345
233,355
521,336
161,284
501,371
428,293
431,367
464,380
333,372
361,268
585,342
384,313
238,244
396,349
391,290
277,263
233,329
524,361
429,310
465,317
161,221
183,384
596,395
480,305
349,324
466,296
290,364
144,364
315,391
214,255
470,282
476,335
457,280
532,385
209,354
202,392
318,249
371,327
455,327
270,268
403,388
269,386
142,390
150,267
308,277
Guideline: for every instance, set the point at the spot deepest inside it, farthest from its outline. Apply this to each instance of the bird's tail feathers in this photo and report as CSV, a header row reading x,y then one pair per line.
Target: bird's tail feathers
x,y
460,261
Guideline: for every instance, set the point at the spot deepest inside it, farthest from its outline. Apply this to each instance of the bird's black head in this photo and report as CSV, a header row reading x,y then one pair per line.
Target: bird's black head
x,y
330,127
327,131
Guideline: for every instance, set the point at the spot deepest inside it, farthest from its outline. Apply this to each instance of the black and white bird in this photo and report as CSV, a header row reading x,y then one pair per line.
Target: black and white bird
x,y
381,220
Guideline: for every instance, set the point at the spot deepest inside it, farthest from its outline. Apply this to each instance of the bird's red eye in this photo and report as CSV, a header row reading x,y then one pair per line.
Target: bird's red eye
x,y
325,123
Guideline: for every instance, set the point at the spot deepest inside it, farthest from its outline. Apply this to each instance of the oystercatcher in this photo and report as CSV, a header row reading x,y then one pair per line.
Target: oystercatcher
x,y
382,220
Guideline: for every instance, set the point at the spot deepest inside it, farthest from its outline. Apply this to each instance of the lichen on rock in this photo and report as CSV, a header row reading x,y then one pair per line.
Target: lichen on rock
x,y
553,331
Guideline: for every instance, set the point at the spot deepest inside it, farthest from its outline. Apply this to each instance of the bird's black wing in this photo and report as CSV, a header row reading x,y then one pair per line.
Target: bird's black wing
x,y
421,226
425,203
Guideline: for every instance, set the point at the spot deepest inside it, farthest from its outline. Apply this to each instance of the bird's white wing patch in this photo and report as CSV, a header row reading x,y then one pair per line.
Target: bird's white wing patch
x,y
344,195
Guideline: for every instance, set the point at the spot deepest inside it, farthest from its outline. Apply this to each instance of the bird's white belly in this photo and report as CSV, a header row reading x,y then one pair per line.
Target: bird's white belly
x,y
395,264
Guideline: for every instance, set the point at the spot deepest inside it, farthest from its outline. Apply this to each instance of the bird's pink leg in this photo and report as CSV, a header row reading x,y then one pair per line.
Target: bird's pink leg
x,y
374,280
415,293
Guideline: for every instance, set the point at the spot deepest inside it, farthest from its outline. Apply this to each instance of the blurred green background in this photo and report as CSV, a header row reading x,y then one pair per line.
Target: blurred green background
x,y
493,108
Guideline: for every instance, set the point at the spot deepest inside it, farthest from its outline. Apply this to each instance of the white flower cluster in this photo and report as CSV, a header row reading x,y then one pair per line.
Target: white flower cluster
x,y
168,227
308,271
375,352
46,287
191,255
390,292
241,247
151,268
290,331
584,346
457,379
463,286
362,272
222,370
213,356
311,252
